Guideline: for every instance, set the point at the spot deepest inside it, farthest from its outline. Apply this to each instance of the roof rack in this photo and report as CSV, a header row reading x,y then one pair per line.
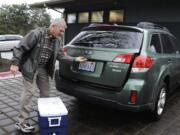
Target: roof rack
x,y
98,24
149,25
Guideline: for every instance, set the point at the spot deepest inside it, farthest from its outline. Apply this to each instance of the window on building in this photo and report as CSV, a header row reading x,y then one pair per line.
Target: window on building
x,y
83,17
116,16
71,18
97,17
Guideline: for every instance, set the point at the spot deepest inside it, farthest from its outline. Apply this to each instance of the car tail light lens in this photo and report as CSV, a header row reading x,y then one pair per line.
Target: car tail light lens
x,y
142,64
123,58
65,50
133,97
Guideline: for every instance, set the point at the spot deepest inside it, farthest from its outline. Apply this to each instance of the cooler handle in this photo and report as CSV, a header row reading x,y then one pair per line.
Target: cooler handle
x,y
54,118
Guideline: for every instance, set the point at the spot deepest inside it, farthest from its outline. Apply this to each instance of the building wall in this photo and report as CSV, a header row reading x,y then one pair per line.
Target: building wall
x,y
165,15
154,14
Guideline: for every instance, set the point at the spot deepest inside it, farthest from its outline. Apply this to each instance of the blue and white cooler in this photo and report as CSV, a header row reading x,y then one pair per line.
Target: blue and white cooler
x,y
52,116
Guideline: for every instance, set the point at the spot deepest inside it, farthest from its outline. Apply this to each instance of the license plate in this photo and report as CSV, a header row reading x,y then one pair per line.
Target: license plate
x,y
87,66
6,55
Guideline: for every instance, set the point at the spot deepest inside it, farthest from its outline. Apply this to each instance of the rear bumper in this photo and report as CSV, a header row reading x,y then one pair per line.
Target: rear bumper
x,y
103,97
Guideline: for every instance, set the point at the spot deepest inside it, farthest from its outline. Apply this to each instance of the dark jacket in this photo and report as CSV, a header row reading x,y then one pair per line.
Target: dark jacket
x,y
26,54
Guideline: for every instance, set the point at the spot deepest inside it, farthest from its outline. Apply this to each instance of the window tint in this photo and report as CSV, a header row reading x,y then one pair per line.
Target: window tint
x,y
10,38
2,38
109,39
175,43
167,44
155,45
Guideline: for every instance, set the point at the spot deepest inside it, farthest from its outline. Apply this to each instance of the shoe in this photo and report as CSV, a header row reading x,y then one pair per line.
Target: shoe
x,y
26,128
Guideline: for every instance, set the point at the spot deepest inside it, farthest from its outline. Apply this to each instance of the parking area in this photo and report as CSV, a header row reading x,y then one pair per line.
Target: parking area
x,y
84,118
88,119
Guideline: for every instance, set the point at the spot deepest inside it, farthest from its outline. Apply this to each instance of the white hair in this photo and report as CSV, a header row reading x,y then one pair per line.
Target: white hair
x,y
59,22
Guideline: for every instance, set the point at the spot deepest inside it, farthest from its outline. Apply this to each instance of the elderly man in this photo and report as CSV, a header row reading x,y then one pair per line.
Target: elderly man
x,y
35,57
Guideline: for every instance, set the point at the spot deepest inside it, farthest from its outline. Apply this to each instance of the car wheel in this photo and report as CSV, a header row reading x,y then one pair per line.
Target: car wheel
x,y
160,102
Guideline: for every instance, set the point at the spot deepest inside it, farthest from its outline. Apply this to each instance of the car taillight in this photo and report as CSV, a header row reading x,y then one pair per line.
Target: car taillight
x,y
65,50
133,97
123,58
142,64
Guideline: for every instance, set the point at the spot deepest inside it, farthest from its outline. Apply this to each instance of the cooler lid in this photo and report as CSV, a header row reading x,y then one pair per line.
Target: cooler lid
x,y
51,106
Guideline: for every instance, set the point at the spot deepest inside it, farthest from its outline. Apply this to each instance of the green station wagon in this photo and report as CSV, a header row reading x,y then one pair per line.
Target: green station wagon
x,y
131,68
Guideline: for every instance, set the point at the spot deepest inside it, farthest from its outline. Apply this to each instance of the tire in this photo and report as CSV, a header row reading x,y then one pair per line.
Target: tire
x,y
160,102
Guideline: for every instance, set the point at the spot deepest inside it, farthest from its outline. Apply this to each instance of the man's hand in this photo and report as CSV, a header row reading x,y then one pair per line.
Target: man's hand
x,y
14,69
81,59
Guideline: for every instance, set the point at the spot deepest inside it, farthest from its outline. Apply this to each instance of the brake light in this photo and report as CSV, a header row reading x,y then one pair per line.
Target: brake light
x,y
123,58
142,64
65,50
133,97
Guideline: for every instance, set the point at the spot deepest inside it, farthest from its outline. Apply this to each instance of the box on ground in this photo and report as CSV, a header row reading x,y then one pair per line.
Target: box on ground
x,y
52,116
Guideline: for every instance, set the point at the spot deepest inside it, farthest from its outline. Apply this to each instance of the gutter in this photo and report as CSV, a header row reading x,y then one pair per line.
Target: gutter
x,y
45,6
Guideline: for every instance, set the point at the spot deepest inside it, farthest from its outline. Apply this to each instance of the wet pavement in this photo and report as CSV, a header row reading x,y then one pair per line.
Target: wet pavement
x,y
88,119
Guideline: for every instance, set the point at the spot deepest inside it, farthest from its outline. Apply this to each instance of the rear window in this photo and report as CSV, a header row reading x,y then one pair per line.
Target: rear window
x,y
10,38
2,38
109,39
